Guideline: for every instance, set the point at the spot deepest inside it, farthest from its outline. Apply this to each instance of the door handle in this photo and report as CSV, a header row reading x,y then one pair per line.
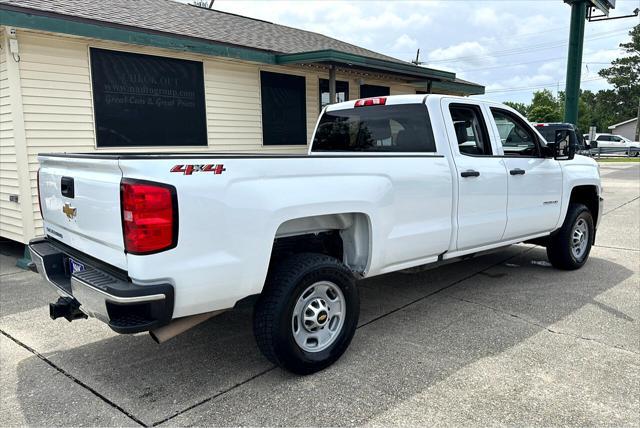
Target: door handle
x,y
469,173
67,187
517,171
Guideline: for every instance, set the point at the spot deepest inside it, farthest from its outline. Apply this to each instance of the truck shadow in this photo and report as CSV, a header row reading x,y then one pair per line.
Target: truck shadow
x,y
415,330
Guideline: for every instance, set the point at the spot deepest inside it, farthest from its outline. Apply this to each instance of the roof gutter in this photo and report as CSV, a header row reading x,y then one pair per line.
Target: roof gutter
x,y
343,58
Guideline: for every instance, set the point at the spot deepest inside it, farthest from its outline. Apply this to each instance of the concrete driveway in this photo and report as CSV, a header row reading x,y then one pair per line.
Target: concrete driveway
x,y
499,340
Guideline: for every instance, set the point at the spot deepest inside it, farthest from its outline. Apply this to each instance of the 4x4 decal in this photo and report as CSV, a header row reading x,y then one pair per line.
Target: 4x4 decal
x,y
190,169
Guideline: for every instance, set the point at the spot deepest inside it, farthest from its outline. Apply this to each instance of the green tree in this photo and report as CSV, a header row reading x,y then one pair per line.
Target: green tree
x,y
585,113
624,75
203,3
544,107
522,108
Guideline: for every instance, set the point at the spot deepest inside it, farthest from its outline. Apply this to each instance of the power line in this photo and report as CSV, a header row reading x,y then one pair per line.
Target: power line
x,y
515,36
513,65
495,67
521,50
542,86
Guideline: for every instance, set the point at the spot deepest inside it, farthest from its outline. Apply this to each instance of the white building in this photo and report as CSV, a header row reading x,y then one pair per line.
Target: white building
x,y
626,129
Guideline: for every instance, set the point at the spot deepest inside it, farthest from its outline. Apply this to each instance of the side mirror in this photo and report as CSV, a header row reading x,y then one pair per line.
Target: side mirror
x,y
561,148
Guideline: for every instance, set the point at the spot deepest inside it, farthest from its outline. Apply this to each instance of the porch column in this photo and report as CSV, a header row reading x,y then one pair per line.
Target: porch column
x,y
332,84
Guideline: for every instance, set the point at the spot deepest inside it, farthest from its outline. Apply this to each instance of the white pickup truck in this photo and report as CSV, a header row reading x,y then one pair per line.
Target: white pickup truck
x,y
160,242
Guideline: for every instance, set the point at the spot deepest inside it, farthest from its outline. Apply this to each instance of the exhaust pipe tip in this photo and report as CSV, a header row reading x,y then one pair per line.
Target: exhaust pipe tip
x,y
154,337
180,325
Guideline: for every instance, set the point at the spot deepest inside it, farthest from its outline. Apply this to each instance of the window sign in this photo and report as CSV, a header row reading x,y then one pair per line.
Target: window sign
x,y
145,100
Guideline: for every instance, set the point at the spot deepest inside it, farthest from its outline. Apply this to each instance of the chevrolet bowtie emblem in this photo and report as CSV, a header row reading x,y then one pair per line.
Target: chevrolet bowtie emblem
x,y
69,211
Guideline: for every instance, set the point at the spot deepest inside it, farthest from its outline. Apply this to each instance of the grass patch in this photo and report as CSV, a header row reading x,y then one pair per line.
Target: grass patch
x,y
620,159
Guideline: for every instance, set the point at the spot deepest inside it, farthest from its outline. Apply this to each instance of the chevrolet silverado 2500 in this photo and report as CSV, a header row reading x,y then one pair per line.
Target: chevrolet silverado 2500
x,y
160,242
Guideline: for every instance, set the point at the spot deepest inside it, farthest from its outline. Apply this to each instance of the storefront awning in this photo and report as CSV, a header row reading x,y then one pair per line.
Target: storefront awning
x,y
422,78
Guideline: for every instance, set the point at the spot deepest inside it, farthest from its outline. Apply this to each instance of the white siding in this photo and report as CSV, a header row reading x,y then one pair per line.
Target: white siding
x,y
56,98
10,212
58,109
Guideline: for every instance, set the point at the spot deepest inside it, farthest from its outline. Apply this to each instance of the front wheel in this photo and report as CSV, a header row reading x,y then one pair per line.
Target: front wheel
x,y
570,246
307,313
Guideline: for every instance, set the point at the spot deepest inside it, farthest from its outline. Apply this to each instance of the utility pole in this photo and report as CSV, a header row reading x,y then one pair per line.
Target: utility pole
x,y
417,60
574,60
581,11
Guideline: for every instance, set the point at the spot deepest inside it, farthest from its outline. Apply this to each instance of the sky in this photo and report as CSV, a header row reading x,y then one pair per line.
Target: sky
x,y
511,47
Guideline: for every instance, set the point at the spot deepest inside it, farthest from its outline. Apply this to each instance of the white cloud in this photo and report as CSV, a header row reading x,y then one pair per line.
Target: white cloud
x,y
405,42
552,68
465,53
484,16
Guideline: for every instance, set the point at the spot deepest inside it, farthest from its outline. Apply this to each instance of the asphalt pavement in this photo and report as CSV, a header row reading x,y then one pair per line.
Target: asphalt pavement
x,y
503,339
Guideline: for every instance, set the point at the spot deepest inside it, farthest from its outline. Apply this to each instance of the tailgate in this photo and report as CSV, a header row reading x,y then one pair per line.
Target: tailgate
x,y
80,200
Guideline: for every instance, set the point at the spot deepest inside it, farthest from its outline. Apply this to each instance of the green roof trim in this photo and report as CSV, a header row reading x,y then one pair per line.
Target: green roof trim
x,y
465,88
104,31
333,56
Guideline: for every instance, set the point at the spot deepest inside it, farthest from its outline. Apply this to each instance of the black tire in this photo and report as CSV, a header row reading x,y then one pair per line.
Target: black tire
x,y
273,313
559,249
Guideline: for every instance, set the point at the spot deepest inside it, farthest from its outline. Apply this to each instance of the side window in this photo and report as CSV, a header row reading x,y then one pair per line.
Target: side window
x,y
284,116
471,131
403,128
516,137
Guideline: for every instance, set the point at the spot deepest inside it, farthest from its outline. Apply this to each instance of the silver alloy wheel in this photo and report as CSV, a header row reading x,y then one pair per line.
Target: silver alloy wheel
x,y
579,239
318,316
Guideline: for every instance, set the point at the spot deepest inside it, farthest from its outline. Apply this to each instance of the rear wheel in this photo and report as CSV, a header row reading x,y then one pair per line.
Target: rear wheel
x,y
570,246
307,313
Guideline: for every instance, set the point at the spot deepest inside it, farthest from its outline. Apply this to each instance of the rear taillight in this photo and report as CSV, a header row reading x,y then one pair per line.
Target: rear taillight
x,y
377,101
149,216
39,201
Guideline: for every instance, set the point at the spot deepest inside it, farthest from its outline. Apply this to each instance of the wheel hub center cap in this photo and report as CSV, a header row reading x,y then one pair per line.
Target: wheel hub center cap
x,y
316,314
322,318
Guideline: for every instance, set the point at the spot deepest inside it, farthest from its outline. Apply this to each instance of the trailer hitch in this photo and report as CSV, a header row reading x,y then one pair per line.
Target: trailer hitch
x,y
66,307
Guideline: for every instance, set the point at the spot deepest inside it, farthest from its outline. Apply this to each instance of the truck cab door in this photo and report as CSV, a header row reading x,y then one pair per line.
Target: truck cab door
x,y
481,177
535,182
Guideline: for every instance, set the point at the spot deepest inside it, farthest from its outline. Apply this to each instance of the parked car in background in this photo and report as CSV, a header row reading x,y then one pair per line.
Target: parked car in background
x,y
617,143
548,131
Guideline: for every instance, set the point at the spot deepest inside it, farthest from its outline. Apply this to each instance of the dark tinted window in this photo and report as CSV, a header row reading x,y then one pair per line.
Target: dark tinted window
x,y
145,100
284,114
516,137
549,134
397,128
368,91
342,92
549,131
471,131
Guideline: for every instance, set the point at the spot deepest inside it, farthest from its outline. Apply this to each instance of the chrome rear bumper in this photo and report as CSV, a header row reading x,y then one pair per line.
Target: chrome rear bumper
x,y
124,306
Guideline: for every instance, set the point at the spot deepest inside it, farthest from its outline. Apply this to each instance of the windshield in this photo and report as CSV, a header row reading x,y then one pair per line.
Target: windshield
x,y
395,128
